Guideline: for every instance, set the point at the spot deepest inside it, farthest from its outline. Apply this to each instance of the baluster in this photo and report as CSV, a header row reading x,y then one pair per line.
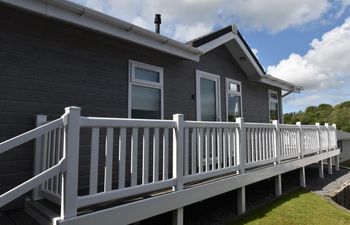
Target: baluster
x,y
200,149
109,160
134,155
156,155
122,157
186,152
225,147
219,147
145,156
95,134
213,149
165,153
193,150
207,146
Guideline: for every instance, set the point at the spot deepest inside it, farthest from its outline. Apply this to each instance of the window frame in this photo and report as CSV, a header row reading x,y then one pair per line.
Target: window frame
x,y
143,83
209,76
274,101
235,93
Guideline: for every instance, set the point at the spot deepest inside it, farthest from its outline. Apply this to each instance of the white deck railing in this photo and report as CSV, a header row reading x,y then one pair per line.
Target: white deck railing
x,y
49,161
146,156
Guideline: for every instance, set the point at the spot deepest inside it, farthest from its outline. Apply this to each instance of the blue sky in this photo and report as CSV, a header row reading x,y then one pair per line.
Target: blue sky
x,y
306,42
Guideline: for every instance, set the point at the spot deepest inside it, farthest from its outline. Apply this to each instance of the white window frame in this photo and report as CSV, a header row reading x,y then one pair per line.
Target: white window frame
x,y
235,93
201,74
134,81
274,101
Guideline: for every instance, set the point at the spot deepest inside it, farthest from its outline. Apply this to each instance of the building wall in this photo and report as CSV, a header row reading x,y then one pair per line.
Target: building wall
x,y
46,65
345,151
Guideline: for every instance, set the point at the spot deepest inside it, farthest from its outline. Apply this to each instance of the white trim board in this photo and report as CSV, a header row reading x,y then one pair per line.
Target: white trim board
x,y
157,205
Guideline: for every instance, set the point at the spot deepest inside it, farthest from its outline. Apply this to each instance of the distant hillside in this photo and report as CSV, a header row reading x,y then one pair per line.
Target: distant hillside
x,y
324,113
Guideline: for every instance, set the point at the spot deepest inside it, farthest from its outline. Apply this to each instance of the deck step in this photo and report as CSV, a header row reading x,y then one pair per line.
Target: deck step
x,y
41,212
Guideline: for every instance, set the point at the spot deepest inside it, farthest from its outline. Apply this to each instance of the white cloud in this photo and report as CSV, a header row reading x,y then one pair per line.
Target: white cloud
x,y
324,68
185,33
277,15
193,17
326,64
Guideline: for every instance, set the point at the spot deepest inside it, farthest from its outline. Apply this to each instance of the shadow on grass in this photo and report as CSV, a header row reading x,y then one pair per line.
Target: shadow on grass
x,y
261,212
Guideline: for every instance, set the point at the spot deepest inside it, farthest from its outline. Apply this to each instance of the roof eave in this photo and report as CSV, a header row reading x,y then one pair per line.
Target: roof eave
x,y
85,17
284,85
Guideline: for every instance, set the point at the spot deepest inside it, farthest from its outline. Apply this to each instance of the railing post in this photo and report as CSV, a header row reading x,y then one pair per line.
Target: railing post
x,y
330,169
278,178
301,141
178,151
320,163
277,142
38,152
336,146
241,146
178,143
71,154
241,156
327,126
319,137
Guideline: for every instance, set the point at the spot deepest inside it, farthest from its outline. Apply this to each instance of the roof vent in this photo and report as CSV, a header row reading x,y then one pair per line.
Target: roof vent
x,y
157,22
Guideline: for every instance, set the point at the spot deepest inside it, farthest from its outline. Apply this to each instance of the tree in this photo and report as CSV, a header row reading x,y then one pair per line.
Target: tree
x,y
324,113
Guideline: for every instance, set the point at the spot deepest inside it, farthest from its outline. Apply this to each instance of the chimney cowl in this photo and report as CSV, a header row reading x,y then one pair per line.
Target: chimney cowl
x,y
157,22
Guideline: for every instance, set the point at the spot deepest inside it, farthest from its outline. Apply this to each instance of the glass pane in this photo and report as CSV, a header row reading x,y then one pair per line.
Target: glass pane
x,y
208,100
146,75
273,111
273,96
233,107
234,87
145,102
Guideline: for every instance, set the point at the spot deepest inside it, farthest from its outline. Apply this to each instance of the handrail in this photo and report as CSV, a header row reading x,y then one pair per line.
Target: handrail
x,y
30,135
31,183
124,122
259,125
210,124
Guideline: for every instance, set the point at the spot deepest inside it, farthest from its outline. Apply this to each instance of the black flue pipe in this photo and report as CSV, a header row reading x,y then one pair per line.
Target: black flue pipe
x,y
157,22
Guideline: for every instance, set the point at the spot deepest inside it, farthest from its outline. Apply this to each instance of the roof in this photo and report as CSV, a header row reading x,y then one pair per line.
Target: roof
x,y
82,16
79,15
216,34
238,47
342,135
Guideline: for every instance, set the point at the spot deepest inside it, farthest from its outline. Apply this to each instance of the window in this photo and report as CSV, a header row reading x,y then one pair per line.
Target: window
x,y
233,99
273,105
208,96
145,91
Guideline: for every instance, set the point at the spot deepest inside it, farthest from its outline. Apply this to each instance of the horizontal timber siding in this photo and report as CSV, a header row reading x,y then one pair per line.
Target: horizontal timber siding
x,y
46,65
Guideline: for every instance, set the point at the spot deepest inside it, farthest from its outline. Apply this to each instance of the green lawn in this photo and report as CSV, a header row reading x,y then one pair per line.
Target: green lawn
x,y
300,207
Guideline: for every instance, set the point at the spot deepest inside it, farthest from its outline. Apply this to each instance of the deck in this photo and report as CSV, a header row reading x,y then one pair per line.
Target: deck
x,y
150,167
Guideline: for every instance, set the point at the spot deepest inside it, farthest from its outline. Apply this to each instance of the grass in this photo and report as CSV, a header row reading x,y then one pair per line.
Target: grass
x,y
346,163
300,207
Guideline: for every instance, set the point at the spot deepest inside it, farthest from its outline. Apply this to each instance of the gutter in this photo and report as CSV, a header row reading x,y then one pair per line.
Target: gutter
x,y
284,85
85,17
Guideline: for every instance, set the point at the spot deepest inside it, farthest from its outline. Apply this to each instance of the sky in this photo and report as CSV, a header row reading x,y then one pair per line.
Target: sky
x,y
306,42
